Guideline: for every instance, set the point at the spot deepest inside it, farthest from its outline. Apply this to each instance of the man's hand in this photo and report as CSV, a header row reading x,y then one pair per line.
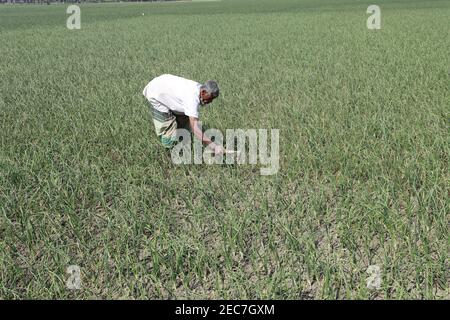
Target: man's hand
x,y
193,122
218,150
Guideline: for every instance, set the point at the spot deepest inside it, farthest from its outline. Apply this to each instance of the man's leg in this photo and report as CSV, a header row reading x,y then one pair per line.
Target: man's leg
x,y
183,122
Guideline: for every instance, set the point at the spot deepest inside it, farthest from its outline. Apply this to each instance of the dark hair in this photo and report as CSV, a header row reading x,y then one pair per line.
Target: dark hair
x,y
212,88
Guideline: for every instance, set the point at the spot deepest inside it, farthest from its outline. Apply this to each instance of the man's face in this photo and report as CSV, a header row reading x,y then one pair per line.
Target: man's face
x,y
205,98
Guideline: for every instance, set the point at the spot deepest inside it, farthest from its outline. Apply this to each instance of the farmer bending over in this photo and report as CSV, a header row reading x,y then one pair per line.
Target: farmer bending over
x,y
175,104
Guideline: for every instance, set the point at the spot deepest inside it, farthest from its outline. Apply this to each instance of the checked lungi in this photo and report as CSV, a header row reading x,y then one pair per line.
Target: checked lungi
x,y
166,124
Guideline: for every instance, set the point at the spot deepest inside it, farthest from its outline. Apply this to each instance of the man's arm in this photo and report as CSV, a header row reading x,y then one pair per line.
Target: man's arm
x,y
193,123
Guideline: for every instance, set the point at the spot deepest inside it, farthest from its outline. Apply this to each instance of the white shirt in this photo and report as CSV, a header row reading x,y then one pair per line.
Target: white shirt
x,y
169,92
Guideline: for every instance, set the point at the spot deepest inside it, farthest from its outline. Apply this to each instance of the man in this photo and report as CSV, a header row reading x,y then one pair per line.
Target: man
x,y
175,104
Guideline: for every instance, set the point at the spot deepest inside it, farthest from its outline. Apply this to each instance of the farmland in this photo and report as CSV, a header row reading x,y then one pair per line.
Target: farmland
x,y
364,151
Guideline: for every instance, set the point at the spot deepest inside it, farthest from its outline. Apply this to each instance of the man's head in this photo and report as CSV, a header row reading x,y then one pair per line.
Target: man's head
x,y
208,92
